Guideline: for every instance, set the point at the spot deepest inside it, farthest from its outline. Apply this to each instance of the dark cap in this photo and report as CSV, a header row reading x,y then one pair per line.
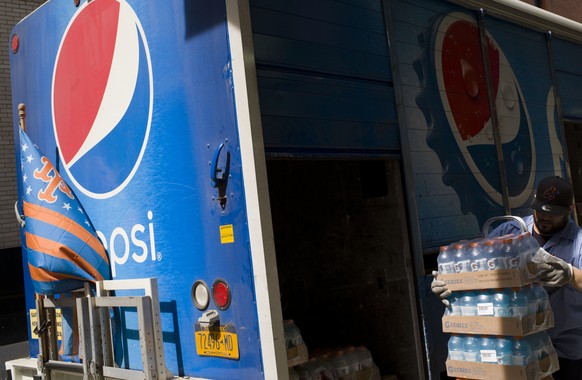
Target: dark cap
x,y
554,195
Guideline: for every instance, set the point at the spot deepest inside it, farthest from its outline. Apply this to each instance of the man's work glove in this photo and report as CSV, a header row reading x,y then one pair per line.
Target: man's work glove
x,y
440,289
551,270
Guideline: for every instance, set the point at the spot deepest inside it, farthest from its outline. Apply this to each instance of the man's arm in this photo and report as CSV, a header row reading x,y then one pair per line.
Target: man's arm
x,y
576,280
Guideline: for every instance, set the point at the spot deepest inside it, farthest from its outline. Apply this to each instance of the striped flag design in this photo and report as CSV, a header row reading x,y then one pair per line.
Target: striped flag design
x,y
62,246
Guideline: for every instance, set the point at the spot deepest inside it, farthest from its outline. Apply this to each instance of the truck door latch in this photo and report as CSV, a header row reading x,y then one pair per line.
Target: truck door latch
x,y
219,175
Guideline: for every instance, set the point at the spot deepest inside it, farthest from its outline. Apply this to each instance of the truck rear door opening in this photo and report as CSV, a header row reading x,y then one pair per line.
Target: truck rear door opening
x,y
343,257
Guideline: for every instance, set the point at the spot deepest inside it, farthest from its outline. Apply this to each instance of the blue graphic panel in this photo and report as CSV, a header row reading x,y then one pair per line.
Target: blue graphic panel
x,y
567,56
142,172
449,121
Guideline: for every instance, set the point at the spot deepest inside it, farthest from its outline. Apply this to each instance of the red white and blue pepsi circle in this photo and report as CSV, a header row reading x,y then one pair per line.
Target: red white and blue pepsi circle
x,y
102,97
462,84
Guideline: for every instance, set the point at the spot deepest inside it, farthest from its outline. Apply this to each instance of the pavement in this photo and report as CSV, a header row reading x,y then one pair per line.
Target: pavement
x,y
10,352
13,331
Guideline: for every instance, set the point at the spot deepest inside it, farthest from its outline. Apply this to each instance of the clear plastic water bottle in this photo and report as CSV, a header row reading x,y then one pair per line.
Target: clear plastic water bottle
x,y
504,350
539,303
315,368
521,353
536,343
293,375
462,260
469,304
511,253
477,255
528,244
365,356
483,254
456,347
487,349
527,247
353,359
502,303
304,370
292,334
534,299
323,369
484,302
497,256
341,365
540,300
455,307
446,260
546,344
471,348
519,303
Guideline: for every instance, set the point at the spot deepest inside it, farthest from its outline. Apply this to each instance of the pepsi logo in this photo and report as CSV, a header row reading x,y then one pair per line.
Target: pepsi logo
x,y
462,86
102,97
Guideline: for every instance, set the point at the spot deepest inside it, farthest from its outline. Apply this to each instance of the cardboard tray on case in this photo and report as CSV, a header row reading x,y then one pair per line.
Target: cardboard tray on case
x,y
488,279
541,369
490,325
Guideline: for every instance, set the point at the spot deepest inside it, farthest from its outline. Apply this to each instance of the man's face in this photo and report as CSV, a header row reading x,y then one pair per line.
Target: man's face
x,y
548,224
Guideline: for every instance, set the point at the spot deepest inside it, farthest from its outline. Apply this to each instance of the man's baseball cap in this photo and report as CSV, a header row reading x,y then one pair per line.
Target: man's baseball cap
x,y
554,195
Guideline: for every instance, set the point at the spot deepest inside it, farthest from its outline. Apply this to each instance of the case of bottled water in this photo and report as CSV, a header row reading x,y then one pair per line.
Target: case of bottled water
x,y
345,363
488,254
296,349
497,315
535,351
505,311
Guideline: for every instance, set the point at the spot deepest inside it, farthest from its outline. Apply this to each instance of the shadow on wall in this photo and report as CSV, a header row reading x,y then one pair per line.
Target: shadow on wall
x,y
13,322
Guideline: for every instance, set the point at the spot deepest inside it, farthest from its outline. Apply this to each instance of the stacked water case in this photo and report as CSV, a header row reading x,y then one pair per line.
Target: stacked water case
x,y
498,316
296,349
341,363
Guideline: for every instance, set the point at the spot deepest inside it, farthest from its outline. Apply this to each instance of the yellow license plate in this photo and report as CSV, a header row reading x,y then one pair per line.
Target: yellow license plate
x,y
219,341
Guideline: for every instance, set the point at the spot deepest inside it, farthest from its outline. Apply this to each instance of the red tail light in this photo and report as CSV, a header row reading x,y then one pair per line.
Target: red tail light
x,y
221,294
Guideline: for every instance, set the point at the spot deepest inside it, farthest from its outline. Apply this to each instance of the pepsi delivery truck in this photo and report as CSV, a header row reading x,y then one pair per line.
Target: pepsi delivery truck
x,y
271,160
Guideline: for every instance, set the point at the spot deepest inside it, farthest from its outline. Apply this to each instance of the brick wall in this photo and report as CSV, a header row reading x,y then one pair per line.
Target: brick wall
x,y
568,8
571,9
11,11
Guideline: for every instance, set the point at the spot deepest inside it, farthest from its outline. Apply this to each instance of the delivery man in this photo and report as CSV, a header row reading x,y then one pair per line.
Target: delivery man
x,y
558,268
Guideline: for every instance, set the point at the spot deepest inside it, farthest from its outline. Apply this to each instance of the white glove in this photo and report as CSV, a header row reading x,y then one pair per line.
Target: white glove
x,y
551,270
440,289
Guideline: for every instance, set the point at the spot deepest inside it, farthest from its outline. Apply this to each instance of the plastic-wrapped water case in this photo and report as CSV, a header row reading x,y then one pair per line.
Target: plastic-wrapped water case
x,y
501,357
510,311
488,262
316,369
296,349
342,363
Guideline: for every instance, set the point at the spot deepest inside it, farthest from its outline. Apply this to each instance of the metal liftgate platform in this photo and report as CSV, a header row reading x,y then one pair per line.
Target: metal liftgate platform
x,y
95,337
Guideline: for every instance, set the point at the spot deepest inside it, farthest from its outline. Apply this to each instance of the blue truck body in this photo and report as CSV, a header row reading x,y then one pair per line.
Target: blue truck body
x,y
194,131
